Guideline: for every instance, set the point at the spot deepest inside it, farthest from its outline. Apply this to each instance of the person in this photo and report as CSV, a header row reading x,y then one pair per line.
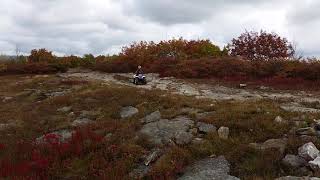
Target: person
x,y
139,70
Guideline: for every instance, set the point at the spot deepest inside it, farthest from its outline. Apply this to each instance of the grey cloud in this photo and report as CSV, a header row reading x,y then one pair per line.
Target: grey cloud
x,y
103,26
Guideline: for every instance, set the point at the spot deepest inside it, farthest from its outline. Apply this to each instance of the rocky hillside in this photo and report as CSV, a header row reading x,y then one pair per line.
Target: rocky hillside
x,y
84,124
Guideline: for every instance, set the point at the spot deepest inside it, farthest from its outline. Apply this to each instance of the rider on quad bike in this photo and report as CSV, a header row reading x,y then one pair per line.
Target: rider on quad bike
x,y
139,78
139,71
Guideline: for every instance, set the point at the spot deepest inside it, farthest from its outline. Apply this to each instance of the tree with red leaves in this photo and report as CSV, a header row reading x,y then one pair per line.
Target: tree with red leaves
x,y
261,46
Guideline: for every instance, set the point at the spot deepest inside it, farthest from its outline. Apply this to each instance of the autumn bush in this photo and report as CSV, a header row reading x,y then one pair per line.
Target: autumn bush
x,y
255,56
261,46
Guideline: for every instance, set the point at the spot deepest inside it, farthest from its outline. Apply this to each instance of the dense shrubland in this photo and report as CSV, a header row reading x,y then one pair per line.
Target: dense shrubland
x,y
252,56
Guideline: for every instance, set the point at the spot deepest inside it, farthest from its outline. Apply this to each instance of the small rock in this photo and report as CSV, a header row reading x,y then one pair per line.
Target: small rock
x,y
315,164
4,126
155,116
71,114
183,138
279,144
306,131
197,141
308,151
64,109
6,99
293,161
279,120
127,112
202,115
242,85
297,178
189,110
89,114
223,132
152,157
107,136
81,122
263,88
206,128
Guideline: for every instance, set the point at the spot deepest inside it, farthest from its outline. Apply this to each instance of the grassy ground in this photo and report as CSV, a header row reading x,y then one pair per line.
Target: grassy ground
x,y
110,148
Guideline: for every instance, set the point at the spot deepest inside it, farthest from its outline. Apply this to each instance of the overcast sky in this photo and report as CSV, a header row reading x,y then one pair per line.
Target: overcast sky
x,y
104,26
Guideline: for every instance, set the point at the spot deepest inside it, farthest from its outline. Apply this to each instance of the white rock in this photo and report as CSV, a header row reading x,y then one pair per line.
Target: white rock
x,y
279,120
223,132
308,151
315,164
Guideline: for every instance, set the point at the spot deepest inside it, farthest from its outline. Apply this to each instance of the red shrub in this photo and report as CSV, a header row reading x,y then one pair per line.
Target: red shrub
x,y
261,46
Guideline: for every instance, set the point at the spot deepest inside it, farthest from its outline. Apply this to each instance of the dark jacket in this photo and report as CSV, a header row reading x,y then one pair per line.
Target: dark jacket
x,y
139,71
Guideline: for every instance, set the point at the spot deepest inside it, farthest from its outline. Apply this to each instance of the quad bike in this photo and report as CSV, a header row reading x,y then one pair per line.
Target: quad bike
x,y
139,79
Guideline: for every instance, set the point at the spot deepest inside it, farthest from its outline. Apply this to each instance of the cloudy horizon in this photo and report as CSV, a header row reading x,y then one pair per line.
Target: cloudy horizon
x,y
104,26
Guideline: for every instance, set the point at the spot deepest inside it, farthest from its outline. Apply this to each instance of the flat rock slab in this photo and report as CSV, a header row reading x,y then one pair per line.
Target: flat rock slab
x,y
297,178
164,130
295,107
128,111
209,169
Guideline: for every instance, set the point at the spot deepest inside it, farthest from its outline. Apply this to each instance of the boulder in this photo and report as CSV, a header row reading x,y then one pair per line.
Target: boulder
x,y
315,164
308,151
162,131
65,109
183,138
279,144
223,132
208,169
128,111
206,128
155,116
294,161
